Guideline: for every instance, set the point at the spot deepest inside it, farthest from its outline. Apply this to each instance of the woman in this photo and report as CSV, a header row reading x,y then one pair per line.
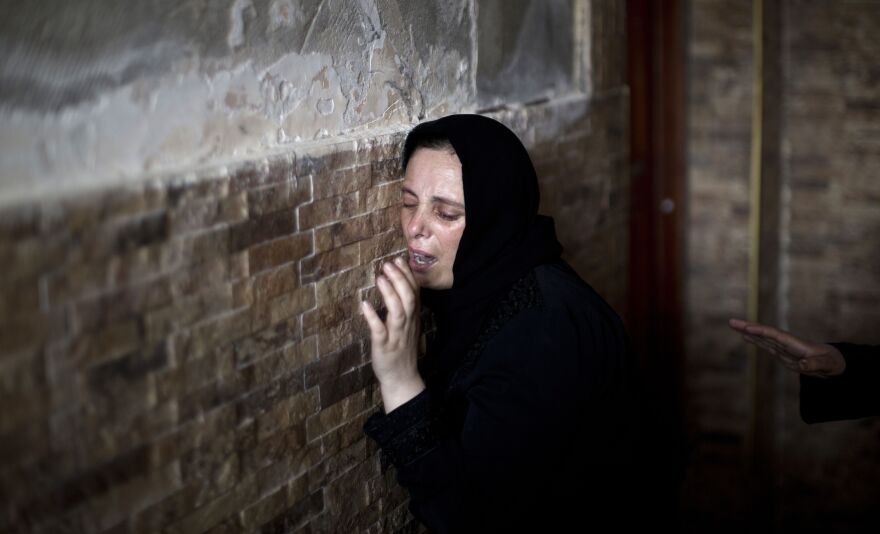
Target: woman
x,y
520,415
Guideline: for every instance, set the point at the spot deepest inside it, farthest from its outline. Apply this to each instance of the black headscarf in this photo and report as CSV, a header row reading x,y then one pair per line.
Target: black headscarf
x,y
504,237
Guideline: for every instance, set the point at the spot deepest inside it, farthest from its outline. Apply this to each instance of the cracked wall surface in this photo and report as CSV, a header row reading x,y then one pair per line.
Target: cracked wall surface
x,y
106,92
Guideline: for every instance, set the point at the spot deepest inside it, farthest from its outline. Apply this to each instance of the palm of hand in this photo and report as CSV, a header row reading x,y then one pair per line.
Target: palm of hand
x,y
814,359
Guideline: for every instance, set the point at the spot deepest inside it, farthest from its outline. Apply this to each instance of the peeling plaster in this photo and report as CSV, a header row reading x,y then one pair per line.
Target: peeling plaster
x,y
281,73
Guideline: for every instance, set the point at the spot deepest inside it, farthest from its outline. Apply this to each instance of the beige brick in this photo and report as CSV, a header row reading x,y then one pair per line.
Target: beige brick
x,y
279,251
335,415
340,182
270,284
384,196
344,284
319,266
344,232
329,210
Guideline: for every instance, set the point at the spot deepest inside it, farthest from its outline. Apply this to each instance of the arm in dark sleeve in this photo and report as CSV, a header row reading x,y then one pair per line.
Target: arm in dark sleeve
x,y
851,395
519,416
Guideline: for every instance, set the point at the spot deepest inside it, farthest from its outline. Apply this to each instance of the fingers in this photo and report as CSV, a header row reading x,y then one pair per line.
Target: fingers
x,y
782,341
737,324
392,301
378,333
407,272
402,286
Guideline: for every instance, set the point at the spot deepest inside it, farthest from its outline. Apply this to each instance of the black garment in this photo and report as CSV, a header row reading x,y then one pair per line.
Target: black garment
x,y
526,415
851,395
535,428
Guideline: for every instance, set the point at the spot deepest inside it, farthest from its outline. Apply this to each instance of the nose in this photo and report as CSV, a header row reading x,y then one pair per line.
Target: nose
x,y
417,226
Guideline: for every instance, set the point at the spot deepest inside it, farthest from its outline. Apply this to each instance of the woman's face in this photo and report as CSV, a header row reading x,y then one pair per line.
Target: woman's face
x,y
432,216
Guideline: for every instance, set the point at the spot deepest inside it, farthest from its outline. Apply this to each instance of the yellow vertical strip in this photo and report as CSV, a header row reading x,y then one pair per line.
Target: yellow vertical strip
x,y
755,217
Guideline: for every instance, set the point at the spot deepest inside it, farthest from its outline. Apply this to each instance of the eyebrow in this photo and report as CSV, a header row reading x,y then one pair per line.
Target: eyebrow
x,y
442,200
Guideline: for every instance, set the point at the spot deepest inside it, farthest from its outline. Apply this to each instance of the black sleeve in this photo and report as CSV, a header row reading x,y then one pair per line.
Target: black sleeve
x,y
851,395
519,417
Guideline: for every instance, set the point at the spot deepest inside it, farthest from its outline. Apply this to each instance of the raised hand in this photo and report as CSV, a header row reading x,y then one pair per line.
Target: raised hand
x,y
394,343
814,359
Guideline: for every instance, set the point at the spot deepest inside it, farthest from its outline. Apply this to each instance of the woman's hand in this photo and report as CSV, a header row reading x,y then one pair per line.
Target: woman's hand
x,y
394,343
814,359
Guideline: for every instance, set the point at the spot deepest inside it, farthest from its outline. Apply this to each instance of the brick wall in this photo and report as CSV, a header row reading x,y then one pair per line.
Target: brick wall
x,y
828,473
184,355
719,111
829,287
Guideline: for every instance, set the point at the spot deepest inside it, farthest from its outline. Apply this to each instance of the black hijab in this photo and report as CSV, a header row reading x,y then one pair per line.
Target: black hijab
x,y
504,237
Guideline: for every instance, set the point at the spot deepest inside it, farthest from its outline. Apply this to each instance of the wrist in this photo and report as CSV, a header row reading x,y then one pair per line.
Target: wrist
x,y
398,392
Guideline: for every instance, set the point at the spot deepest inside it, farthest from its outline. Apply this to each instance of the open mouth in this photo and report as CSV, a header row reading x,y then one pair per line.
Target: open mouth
x,y
418,259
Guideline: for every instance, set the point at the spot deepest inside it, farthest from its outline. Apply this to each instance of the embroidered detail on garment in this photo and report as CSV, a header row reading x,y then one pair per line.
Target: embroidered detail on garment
x,y
406,433
524,294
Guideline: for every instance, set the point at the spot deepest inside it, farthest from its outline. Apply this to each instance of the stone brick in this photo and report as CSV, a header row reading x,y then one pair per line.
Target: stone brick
x,y
265,391
345,385
290,471
205,213
180,314
213,333
345,496
344,284
279,251
327,157
291,411
190,374
335,415
344,232
265,341
210,397
384,196
205,246
270,284
191,433
124,303
343,437
382,244
386,220
330,315
262,511
340,182
283,307
283,196
330,210
384,171
113,341
77,282
336,337
213,468
329,367
319,266
260,229
296,515
215,511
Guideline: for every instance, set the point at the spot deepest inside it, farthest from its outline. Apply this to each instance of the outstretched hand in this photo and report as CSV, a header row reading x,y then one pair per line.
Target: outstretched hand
x,y
814,359
394,342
